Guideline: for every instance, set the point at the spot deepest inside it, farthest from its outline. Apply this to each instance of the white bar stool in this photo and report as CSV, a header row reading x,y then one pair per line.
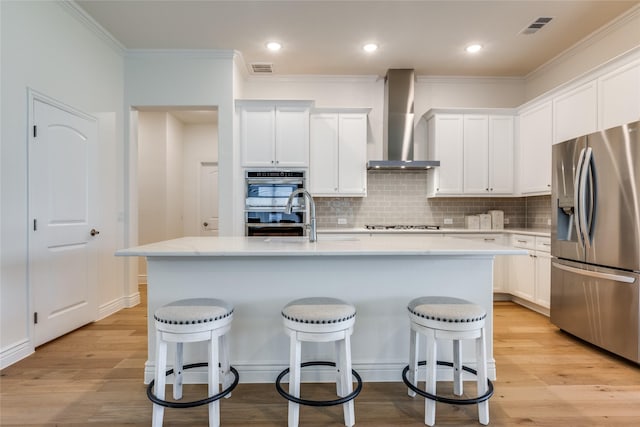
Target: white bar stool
x,y
187,321
453,319
319,319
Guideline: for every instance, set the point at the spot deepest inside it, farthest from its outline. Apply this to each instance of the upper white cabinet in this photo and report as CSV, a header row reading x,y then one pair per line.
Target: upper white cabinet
x,y
619,96
445,143
536,132
475,153
575,112
274,133
338,153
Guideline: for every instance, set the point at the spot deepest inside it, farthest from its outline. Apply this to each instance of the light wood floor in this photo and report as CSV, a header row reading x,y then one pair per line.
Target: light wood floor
x,y
93,377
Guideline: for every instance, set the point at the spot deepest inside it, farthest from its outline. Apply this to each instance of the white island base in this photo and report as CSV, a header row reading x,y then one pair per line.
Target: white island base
x,y
378,275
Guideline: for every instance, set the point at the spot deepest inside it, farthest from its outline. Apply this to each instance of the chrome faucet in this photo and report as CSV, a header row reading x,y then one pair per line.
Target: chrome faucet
x,y
313,235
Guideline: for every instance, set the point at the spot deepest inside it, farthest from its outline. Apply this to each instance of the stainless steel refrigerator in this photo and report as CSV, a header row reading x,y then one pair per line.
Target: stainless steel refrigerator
x,y
595,239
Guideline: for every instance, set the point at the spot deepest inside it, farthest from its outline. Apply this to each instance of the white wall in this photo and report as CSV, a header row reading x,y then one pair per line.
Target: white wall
x,y
44,47
174,178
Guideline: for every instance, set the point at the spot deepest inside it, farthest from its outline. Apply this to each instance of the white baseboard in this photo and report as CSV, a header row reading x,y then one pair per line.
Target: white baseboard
x,y
370,372
118,304
15,352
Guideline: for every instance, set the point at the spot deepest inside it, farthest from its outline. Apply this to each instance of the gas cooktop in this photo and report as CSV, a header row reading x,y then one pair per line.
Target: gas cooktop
x,y
402,227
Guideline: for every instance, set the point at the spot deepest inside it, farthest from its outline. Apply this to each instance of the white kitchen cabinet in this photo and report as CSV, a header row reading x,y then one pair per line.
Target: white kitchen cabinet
x,y
536,133
575,112
475,153
500,262
338,153
445,143
530,276
619,96
274,133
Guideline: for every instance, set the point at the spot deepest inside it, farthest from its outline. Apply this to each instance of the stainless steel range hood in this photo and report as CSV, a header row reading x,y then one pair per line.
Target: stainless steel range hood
x,y
398,125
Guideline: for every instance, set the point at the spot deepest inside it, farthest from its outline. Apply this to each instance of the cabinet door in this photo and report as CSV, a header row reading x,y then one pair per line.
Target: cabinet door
x,y
447,136
292,136
501,154
476,154
543,279
575,112
352,148
535,149
619,96
323,154
522,276
257,135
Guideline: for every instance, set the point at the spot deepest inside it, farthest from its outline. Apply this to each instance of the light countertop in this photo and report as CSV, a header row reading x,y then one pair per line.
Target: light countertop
x,y
361,245
542,232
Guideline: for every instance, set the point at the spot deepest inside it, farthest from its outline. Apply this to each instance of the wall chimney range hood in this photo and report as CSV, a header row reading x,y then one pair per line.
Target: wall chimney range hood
x,y
398,125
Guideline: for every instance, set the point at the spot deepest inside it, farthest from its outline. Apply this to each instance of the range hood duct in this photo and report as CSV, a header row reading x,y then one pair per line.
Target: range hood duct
x,y
398,125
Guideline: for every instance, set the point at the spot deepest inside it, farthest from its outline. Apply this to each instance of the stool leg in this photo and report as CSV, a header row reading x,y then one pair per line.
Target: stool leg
x,y
177,372
294,380
339,345
481,356
214,381
412,375
225,368
347,383
457,369
160,379
430,385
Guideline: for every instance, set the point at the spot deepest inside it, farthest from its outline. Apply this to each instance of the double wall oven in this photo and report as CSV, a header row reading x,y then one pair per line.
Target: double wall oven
x,y
267,192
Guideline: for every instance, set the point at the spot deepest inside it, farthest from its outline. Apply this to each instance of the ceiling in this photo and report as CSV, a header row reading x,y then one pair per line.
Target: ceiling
x,y
326,37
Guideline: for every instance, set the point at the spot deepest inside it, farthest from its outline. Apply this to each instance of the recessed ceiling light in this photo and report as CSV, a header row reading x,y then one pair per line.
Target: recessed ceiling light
x,y
473,48
275,46
370,47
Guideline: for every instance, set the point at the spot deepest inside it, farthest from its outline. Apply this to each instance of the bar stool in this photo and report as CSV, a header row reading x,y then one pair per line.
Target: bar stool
x,y
188,321
320,319
454,319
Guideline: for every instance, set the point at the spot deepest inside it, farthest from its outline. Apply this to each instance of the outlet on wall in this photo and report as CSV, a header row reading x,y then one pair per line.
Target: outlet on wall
x,y
342,221
448,221
506,220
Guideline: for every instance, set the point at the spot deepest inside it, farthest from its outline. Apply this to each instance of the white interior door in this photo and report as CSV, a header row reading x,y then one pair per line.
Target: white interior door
x,y
208,199
62,222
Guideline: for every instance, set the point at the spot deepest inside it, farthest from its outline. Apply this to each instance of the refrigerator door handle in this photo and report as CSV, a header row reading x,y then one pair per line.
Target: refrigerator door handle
x,y
576,197
595,274
582,210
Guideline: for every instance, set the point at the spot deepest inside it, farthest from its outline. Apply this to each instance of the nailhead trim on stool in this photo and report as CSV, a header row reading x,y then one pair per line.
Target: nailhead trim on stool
x,y
453,319
320,319
185,321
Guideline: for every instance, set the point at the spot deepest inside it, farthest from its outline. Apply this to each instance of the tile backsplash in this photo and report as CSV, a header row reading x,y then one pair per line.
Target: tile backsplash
x,y
401,198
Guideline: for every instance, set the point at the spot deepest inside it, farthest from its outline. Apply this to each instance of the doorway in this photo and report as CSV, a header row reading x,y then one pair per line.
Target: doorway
x,y
175,146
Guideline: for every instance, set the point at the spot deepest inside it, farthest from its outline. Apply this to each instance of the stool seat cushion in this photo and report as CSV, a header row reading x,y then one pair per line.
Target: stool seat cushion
x,y
193,311
447,309
319,310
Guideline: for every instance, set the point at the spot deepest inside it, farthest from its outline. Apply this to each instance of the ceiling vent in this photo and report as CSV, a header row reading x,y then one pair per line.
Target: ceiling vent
x,y
536,25
262,68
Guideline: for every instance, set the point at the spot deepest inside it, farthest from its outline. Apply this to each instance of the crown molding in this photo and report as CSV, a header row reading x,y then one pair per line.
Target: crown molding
x,y
73,9
184,53
469,79
316,78
583,44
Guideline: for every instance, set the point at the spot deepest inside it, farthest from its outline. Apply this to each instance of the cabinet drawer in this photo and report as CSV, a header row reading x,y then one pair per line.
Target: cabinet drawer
x,y
523,241
543,244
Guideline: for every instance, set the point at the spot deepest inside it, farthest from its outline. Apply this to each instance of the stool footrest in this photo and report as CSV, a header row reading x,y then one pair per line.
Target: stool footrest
x,y
152,397
340,401
471,401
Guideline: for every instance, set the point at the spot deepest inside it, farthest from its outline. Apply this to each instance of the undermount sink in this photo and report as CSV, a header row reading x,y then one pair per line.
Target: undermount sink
x,y
302,239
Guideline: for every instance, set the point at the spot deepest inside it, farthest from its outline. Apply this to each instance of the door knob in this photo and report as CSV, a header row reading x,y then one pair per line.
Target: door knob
x,y
205,224
94,232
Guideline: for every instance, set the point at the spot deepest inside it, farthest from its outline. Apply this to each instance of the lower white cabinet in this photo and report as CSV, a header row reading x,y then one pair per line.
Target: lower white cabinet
x,y
530,275
338,153
500,263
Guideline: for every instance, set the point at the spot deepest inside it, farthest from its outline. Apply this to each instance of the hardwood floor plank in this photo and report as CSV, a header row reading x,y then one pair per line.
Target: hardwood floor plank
x,y
93,377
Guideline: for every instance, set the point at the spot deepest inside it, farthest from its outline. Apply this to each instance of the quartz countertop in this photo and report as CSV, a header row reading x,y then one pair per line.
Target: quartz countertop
x,y
542,232
362,245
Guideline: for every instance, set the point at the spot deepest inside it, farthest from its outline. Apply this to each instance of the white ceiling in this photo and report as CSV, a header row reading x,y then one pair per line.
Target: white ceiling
x,y
325,37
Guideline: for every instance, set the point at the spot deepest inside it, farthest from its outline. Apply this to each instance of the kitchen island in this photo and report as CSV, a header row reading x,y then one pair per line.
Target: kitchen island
x,y
379,274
